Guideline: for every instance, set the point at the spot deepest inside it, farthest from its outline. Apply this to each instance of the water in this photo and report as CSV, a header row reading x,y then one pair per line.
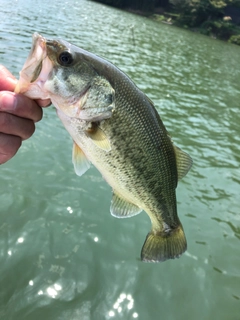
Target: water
x,y
62,255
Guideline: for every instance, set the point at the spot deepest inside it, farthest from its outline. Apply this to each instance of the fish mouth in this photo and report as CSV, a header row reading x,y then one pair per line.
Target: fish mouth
x,y
37,67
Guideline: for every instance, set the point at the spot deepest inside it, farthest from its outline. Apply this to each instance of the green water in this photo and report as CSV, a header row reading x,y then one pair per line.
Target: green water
x,y
62,255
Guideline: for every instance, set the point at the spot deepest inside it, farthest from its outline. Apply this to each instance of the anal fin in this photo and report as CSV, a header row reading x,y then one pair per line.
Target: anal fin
x,y
121,208
159,247
80,161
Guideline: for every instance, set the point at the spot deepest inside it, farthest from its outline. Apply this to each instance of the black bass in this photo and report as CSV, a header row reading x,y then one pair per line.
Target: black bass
x,y
115,127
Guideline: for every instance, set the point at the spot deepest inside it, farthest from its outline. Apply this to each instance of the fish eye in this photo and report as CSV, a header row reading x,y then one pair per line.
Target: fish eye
x,y
65,58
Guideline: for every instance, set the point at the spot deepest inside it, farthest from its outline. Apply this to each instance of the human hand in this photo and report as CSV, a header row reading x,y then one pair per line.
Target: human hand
x,y
18,115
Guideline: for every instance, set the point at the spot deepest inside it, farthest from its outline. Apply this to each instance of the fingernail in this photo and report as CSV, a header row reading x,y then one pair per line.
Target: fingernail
x,y
8,101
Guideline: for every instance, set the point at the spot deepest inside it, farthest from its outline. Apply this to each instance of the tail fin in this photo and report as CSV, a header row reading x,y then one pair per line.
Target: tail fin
x,y
159,247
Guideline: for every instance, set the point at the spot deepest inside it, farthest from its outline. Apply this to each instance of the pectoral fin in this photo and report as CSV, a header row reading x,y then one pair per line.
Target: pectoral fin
x,y
121,208
98,137
80,162
184,162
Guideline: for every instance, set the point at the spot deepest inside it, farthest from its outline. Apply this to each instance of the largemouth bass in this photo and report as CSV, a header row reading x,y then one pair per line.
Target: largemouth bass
x,y
115,127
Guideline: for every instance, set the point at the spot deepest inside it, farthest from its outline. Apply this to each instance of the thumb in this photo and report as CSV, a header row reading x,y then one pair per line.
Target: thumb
x,y
7,80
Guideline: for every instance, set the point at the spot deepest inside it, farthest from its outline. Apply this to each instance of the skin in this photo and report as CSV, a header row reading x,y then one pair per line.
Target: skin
x,y
18,115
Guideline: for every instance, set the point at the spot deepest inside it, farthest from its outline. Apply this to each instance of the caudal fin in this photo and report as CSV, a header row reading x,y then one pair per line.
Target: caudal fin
x,y
160,247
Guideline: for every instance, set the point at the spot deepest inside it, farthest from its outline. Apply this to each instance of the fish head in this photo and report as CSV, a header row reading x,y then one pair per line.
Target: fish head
x,y
56,70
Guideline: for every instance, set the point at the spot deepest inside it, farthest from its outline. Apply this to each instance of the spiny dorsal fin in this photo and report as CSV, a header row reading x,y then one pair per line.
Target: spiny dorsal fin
x,y
80,162
98,137
184,162
121,208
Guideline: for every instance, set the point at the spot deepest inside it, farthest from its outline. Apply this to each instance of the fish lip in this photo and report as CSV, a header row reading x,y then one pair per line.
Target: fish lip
x,y
50,42
38,37
38,41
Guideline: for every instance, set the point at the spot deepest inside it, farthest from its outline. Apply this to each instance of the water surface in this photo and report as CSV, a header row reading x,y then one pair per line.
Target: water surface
x,y
62,255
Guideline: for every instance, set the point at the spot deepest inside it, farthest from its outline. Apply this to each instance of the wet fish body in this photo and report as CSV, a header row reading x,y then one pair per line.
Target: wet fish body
x,y
115,127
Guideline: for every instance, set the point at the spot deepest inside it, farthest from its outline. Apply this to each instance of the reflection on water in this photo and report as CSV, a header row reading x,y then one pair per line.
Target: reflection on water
x,y
20,240
54,290
62,256
124,304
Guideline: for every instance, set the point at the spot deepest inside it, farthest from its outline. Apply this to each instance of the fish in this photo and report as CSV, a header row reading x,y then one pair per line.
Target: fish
x,y
116,128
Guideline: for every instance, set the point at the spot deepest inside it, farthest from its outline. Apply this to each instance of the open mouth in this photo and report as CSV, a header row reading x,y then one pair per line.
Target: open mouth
x,y
36,69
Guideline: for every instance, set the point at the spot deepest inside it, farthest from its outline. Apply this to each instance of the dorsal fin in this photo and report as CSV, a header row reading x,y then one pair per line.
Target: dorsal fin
x,y
184,162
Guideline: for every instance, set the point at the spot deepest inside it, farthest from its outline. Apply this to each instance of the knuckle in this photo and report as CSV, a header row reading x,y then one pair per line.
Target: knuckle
x,y
13,125
28,130
9,146
29,108
5,121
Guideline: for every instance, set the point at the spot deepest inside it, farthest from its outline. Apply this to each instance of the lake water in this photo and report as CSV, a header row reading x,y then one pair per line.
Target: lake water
x,y
62,255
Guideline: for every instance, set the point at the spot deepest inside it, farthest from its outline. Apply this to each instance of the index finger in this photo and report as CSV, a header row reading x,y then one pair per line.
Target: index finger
x,y
7,80
20,106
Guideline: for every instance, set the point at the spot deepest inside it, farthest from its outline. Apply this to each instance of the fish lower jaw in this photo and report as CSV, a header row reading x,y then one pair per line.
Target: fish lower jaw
x,y
64,112
68,118
32,91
